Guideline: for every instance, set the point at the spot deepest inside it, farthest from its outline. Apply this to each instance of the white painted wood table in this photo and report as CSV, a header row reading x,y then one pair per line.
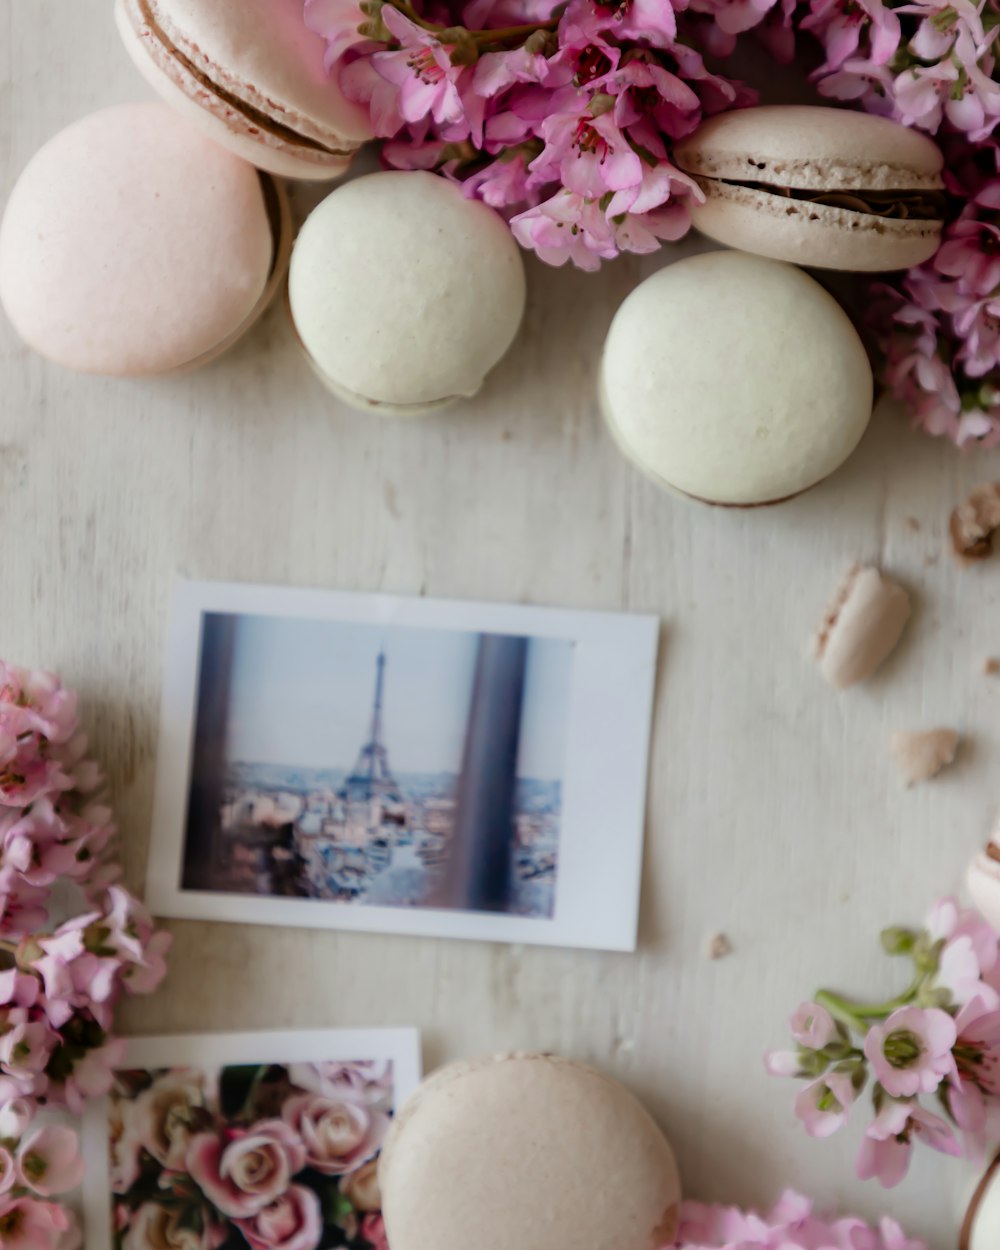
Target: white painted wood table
x,y
775,814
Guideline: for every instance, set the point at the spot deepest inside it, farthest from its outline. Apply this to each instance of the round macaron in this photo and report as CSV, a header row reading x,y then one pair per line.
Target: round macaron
x,y
734,380
404,294
252,76
131,245
824,187
528,1151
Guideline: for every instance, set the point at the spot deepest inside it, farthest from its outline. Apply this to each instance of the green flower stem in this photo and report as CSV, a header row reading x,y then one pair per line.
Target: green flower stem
x,y
858,1016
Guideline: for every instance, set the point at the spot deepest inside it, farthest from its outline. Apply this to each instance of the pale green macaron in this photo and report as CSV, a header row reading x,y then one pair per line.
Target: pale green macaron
x,y
735,380
404,294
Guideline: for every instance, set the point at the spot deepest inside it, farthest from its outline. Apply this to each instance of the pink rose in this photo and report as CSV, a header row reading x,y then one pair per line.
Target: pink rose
x,y
339,1134
242,1171
293,1222
153,1227
361,1187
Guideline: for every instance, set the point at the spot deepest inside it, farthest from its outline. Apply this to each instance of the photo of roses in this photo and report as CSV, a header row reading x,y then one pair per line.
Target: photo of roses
x,y
270,1156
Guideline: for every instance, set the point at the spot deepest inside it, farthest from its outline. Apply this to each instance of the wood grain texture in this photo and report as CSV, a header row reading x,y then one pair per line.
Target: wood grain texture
x,y
775,815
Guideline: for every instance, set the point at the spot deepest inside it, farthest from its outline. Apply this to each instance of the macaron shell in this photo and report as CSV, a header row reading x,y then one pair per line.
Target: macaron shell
x,y
735,380
812,147
405,292
527,1151
132,245
252,76
816,235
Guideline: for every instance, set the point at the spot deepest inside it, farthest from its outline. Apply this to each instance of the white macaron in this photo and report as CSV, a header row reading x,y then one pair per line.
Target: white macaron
x,y
404,293
529,1151
735,380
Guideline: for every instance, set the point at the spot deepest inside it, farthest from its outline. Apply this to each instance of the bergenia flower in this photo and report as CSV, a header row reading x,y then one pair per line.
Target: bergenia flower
x,y
791,1224
824,1104
888,1143
812,1026
337,21
423,72
911,1052
49,1161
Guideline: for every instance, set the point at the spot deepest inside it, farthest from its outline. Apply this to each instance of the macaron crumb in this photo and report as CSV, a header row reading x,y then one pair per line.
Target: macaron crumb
x,y
921,755
991,666
718,946
974,523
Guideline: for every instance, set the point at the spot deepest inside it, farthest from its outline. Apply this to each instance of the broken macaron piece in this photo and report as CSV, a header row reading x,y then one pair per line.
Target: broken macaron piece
x,y
824,187
922,754
861,627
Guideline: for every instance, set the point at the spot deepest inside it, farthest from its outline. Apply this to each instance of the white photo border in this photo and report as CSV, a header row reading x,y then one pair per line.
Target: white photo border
x,y
604,784
216,1050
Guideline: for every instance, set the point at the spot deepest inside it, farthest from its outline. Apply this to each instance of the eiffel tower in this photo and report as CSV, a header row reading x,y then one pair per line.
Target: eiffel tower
x,y
371,776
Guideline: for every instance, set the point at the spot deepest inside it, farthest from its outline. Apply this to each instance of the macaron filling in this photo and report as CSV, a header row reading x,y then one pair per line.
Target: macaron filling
x,y
174,55
901,205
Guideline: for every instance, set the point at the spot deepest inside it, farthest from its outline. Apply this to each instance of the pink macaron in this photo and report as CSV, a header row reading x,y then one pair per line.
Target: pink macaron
x,y
132,245
252,75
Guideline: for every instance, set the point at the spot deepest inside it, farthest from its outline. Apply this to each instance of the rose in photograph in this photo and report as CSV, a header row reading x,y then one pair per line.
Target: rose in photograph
x,y
269,1156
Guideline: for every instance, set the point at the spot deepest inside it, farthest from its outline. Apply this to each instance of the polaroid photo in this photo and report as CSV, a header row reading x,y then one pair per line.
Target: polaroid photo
x,y
247,1140
367,762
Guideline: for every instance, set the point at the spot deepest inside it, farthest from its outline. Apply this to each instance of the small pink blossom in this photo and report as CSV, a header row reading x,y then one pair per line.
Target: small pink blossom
x,y
49,1161
292,1222
824,1104
423,72
27,1224
566,227
243,1171
812,1026
373,1231
911,1052
337,21
888,1142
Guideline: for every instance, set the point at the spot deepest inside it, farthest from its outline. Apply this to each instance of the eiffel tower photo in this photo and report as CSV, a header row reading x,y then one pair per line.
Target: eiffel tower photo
x,y
371,777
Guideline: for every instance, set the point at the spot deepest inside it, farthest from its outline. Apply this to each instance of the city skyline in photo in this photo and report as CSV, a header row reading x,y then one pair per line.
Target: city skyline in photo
x,y
301,695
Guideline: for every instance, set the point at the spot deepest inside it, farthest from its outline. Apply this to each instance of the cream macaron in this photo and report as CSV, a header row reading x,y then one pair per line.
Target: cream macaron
x,y
734,380
252,75
528,1151
404,294
132,245
824,187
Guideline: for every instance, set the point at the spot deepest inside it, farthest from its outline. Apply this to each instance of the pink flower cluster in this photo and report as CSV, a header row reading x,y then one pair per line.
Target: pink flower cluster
x,y
301,1147
925,63
941,1038
941,331
791,1224
59,983
564,124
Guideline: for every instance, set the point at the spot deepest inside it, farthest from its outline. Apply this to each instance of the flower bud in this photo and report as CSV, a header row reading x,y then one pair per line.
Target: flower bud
x,y
898,941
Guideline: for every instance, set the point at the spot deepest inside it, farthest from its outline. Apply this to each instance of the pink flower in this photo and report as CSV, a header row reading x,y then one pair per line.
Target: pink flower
x,y
782,1063
888,1142
337,21
27,1224
812,1026
791,1224
502,184
8,1171
824,1104
338,1134
156,1227
646,89
49,1162
911,1052
590,154
366,1078
423,72
26,1046
15,1116
628,21
91,1076
242,1171
840,27
566,227
292,1222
